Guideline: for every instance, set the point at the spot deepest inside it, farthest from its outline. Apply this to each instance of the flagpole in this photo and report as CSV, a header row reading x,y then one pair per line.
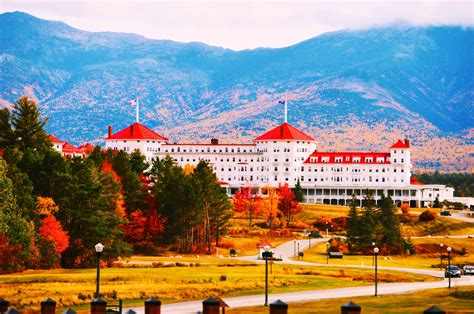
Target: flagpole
x,y
286,107
137,108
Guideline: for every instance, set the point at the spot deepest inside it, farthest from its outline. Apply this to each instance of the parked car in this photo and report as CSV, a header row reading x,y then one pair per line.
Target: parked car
x,y
446,213
468,270
315,234
452,271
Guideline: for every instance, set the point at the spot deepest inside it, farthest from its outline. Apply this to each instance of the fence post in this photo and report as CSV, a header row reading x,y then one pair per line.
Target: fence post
x,y
152,306
278,307
434,310
350,308
98,306
210,306
48,306
4,305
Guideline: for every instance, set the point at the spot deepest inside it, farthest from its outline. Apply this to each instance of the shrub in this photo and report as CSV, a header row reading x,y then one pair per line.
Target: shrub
x,y
223,278
427,216
405,208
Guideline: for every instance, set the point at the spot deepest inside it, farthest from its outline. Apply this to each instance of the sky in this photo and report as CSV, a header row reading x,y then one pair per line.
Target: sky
x,y
242,24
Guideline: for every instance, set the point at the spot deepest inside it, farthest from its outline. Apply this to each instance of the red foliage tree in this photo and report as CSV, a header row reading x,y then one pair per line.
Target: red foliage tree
x,y
247,202
52,230
287,204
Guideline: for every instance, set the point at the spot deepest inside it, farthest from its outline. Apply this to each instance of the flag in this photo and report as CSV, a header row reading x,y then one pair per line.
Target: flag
x,y
282,102
133,102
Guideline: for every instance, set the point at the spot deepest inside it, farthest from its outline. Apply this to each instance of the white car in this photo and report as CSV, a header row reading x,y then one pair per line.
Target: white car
x,y
468,270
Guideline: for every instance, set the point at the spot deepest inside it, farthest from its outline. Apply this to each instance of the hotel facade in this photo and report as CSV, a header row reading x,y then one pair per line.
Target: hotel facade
x,y
286,155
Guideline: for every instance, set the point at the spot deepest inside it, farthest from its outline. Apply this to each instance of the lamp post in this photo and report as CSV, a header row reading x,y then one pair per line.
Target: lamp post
x,y
309,240
376,252
294,247
327,233
373,256
327,252
266,249
449,266
441,256
298,251
98,249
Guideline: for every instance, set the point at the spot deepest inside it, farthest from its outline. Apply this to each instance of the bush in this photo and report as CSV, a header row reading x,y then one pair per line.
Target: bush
x,y
405,208
427,216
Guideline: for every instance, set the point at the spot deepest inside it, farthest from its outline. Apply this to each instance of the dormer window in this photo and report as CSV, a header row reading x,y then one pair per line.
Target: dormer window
x,y
338,159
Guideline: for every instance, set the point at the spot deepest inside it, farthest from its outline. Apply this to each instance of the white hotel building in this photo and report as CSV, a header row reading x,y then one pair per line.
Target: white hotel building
x,y
285,154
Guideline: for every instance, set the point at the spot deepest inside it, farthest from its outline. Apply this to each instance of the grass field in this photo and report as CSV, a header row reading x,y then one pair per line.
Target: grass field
x,y
458,300
75,287
317,254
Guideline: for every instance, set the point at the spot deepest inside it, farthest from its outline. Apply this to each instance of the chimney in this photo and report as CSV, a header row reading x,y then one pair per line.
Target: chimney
x,y
131,130
407,142
214,141
110,131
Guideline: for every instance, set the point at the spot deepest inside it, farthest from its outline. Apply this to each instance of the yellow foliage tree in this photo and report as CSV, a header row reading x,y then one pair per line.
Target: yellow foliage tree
x,y
46,206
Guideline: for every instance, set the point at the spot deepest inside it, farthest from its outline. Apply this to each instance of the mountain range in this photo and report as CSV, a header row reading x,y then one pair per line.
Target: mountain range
x,y
350,89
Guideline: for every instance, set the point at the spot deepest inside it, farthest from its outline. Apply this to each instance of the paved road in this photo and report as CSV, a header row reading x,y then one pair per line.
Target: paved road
x,y
286,251
461,215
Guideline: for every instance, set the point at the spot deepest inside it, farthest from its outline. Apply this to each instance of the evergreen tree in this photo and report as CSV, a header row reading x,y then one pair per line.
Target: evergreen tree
x,y
353,222
134,195
391,225
298,191
15,230
138,162
212,203
436,203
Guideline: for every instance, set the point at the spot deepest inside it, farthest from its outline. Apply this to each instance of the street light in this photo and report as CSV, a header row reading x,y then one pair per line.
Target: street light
x,y
98,249
327,252
373,256
309,240
441,255
327,233
294,247
376,251
266,252
298,251
449,266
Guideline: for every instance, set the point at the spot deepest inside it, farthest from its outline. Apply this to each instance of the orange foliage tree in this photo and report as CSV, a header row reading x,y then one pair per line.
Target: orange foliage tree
x,y
270,205
52,230
287,204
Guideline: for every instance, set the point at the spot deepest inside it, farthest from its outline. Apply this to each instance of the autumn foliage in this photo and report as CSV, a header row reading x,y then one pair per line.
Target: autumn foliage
x,y
287,203
51,230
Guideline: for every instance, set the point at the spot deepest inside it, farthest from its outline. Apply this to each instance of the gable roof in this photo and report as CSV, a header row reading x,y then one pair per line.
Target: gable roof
x,y
54,139
400,144
136,131
284,131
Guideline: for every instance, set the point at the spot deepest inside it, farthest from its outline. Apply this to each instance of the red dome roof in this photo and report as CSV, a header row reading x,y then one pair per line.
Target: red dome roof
x,y
136,131
284,132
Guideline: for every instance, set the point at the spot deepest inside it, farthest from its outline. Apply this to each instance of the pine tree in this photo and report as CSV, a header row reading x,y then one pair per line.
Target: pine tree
x,y
436,203
138,162
298,191
353,222
212,203
390,223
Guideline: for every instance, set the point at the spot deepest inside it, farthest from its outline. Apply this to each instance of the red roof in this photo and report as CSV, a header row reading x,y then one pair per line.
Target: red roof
x,y
284,132
136,131
54,139
400,144
263,244
348,158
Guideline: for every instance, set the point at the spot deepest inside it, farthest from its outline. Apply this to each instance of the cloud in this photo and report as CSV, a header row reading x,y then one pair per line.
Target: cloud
x,y
242,24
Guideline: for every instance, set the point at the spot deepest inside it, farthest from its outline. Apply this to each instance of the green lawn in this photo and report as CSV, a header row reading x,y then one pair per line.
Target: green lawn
x,y
459,300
